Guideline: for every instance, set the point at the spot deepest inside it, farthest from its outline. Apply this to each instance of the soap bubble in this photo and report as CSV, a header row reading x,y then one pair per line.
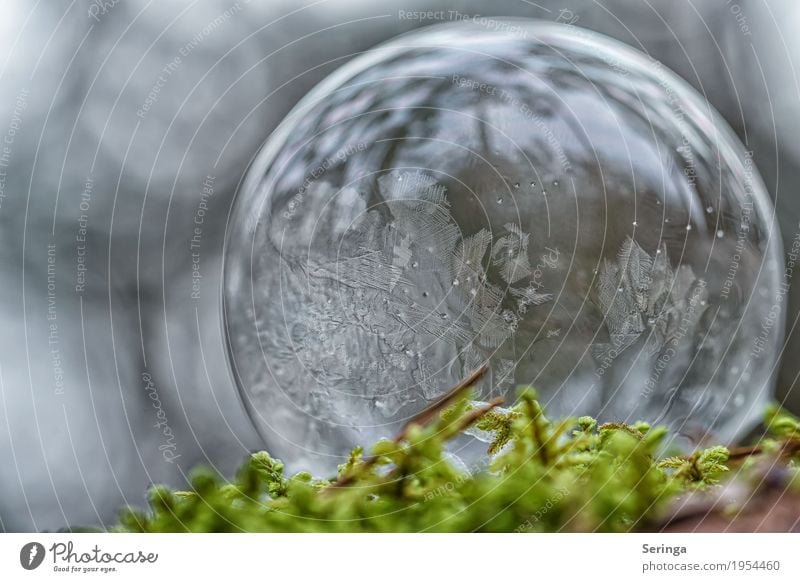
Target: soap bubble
x,y
524,194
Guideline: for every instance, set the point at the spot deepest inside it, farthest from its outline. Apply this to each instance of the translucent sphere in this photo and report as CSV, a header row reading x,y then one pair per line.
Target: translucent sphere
x,y
529,195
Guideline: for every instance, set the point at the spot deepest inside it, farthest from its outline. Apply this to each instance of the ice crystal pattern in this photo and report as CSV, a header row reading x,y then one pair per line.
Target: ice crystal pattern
x,y
641,293
406,291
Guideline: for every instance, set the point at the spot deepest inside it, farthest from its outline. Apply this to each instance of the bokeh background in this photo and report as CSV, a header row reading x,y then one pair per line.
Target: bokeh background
x,y
124,122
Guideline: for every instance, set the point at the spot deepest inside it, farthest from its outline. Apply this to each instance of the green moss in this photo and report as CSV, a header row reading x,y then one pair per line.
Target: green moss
x,y
541,475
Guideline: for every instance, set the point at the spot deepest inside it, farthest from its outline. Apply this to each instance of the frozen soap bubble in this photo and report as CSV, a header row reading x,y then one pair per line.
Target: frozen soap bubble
x,y
531,195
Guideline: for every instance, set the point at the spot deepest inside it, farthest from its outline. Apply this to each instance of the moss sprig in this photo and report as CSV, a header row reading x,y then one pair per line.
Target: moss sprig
x,y
539,475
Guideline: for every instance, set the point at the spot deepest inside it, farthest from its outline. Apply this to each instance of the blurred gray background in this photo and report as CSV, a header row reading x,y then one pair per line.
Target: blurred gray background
x,y
125,122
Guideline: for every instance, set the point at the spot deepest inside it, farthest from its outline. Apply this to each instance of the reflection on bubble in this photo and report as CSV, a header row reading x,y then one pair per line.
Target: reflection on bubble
x,y
385,245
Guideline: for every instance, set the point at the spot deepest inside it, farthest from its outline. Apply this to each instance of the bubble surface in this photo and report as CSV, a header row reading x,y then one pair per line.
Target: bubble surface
x,y
381,247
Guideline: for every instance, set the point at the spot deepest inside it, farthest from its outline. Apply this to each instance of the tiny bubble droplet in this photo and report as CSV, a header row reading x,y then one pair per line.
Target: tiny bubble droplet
x,y
720,234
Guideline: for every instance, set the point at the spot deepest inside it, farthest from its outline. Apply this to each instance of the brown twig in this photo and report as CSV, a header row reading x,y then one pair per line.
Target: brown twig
x,y
788,447
400,473
425,417
431,412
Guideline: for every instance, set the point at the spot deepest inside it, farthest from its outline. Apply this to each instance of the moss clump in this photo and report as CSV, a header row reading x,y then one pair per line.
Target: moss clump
x,y
540,476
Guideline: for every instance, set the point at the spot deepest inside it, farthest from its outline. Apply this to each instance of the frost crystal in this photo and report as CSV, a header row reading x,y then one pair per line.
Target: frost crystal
x,y
638,293
405,296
